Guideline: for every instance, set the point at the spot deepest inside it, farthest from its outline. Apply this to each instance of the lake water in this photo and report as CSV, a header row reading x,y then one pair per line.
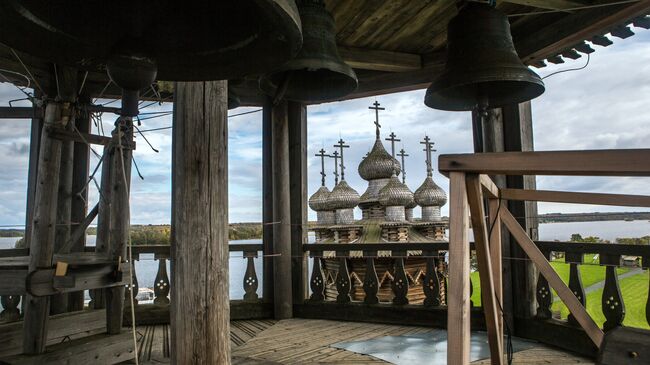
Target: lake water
x,y
147,267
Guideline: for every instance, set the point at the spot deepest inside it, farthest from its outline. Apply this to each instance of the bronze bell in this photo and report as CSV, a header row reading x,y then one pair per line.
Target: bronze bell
x,y
483,68
317,73
191,40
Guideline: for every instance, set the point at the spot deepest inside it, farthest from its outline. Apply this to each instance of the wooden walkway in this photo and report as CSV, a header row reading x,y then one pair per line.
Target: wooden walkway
x,y
303,341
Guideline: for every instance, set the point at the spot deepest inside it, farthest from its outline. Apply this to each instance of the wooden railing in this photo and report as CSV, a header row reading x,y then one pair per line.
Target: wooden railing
x,y
158,311
609,256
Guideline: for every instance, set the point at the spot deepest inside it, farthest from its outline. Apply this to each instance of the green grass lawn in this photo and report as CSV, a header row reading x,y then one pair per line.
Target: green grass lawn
x,y
635,293
634,290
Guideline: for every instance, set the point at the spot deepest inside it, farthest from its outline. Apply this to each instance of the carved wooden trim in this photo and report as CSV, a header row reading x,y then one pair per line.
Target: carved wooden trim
x,y
371,281
431,282
400,283
317,281
343,283
250,278
161,286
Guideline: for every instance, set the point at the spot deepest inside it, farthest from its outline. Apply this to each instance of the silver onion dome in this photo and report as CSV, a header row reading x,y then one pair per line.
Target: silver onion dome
x,y
379,164
430,194
412,204
320,200
395,193
343,197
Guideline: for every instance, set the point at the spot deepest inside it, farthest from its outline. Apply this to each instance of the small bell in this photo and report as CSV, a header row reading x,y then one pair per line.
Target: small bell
x,y
483,68
317,73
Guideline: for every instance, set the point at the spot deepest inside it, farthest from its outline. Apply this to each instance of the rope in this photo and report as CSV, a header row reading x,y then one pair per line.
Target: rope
x,y
574,8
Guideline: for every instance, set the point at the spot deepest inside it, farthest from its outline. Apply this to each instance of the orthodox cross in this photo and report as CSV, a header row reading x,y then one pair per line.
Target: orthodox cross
x,y
341,145
403,154
392,140
428,149
376,108
336,157
322,156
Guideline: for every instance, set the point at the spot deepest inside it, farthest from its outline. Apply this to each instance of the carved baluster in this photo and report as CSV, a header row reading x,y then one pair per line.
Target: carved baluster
x,y
317,281
131,291
250,278
343,283
431,283
575,281
612,301
371,281
161,285
10,311
543,294
400,281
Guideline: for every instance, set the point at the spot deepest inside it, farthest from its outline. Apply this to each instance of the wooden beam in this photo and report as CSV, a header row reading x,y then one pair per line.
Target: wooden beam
x,y
267,201
481,243
298,196
576,197
120,217
554,280
200,309
43,224
379,60
575,28
79,210
627,162
489,187
282,297
458,299
80,231
65,135
20,112
548,4
495,238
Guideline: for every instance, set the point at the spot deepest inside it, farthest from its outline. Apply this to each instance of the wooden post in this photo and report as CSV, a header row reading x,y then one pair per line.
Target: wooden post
x,y
79,207
119,217
458,296
267,201
298,191
200,306
518,136
42,230
493,141
34,147
282,298
104,217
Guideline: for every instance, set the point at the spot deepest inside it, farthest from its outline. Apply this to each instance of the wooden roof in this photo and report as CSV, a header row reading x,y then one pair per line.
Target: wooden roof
x,y
399,45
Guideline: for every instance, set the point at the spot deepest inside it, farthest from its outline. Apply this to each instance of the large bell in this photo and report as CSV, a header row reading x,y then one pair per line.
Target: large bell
x,y
187,40
483,68
317,73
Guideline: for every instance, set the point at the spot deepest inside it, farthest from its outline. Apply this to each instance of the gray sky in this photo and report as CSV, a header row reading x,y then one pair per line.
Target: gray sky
x,y
603,106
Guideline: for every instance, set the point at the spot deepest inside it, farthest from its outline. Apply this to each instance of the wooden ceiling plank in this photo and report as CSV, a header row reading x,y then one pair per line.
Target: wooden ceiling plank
x,y
397,19
375,22
363,12
368,59
419,30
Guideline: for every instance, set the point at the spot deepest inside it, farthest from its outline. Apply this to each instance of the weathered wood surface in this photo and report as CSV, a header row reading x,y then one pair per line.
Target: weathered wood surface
x,y
43,226
297,119
282,281
458,295
485,267
199,285
627,162
120,219
72,325
96,349
267,198
576,197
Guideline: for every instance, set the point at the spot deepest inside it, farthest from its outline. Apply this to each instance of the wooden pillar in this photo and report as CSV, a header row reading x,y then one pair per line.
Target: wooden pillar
x,y
119,217
492,139
34,147
79,204
298,197
518,136
43,225
267,201
458,295
200,306
283,297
